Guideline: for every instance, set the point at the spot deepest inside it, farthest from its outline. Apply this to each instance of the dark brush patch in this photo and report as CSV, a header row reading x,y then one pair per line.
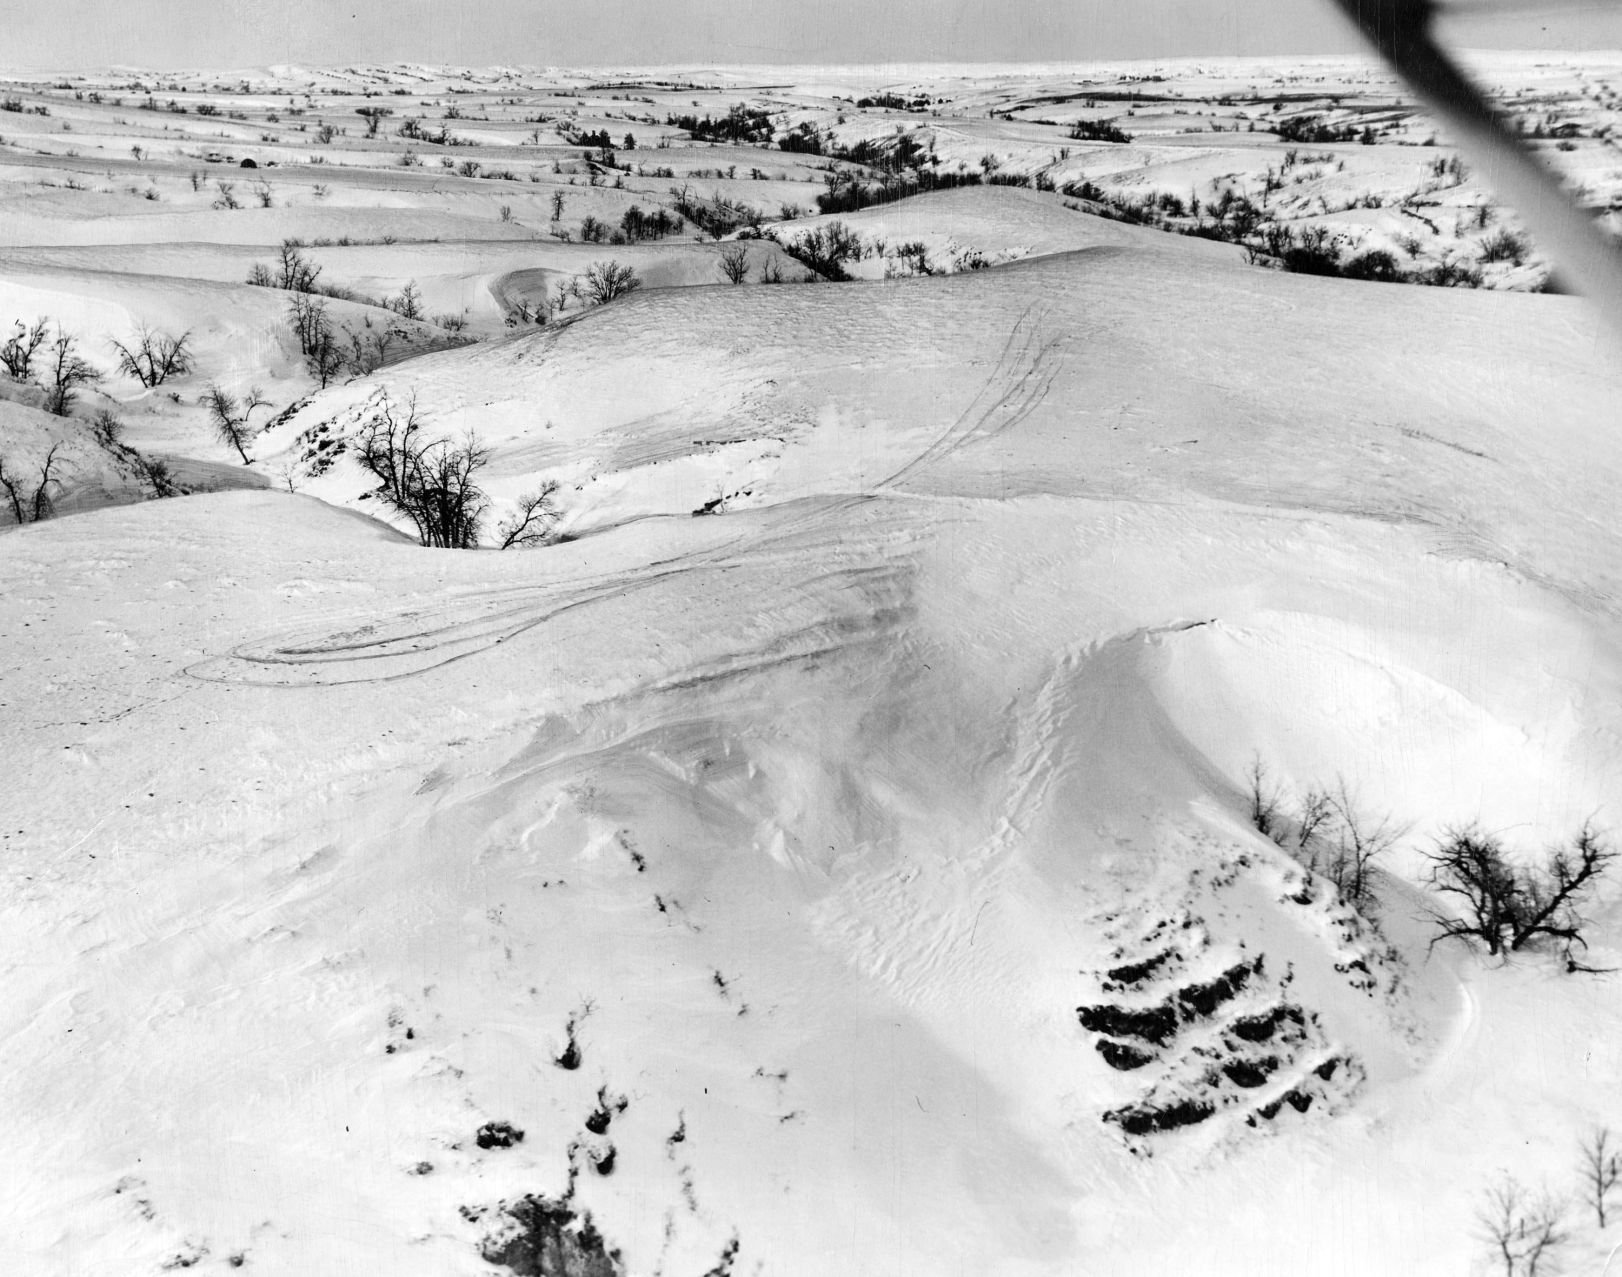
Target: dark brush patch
x,y
1145,1119
1202,1000
1137,972
1156,1024
498,1135
1118,1055
1250,1073
546,1238
1261,1028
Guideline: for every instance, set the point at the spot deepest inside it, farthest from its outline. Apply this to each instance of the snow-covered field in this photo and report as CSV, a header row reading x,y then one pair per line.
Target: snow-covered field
x,y
858,878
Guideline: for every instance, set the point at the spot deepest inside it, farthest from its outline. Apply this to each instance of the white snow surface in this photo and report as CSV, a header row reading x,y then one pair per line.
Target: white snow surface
x,y
818,820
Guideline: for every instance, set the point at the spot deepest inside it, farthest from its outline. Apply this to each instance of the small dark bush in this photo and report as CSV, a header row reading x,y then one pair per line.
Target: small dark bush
x,y
498,1135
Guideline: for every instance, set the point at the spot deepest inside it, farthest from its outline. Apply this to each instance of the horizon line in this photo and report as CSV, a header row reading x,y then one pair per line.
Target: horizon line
x,y
695,64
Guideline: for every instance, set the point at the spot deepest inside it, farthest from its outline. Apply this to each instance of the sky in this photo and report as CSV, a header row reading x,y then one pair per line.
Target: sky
x,y
72,34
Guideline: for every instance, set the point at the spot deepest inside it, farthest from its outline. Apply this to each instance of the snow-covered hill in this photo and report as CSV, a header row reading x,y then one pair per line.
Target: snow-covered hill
x,y
859,878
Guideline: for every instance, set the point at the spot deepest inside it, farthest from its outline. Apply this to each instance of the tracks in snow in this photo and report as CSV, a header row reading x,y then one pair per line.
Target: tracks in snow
x,y
1019,382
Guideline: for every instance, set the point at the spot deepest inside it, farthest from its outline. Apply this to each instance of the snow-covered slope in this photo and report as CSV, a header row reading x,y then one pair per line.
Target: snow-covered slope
x,y
791,877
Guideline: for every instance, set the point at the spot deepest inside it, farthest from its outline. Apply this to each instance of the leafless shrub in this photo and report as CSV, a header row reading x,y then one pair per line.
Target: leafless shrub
x,y
1360,840
1503,246
227,197
522,312
65,374
368,348
108,431
1331,833
1264,801
533,522
323,355
408,304
605,281
1317,810
1524,1233
152,358
31,500
735,263
1601,1171
17,354
156,472
292,270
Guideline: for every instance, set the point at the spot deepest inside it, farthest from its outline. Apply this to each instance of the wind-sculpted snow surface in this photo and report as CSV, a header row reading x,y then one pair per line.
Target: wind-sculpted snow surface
x,y
857,878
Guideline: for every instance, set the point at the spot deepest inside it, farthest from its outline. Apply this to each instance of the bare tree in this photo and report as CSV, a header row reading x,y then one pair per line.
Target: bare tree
x,y
229,416
327,358
293,270
227,196
429,483
557,205
523,312
373,115
1360,841
449,506
14,495
152,358
44,507
1509,907
264,193
735,263
1317,810
26,506
307,316
155,470
408,305
324,354
532,523
1601,1171
108,431
65,374
1264,801
17,354
369,349
1523,1232
607,280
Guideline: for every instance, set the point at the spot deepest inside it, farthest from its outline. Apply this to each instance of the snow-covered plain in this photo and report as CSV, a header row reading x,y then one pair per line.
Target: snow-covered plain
x,y
766,869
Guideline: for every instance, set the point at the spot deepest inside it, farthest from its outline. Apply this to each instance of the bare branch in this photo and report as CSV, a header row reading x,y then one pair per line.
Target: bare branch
x,y
533,521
